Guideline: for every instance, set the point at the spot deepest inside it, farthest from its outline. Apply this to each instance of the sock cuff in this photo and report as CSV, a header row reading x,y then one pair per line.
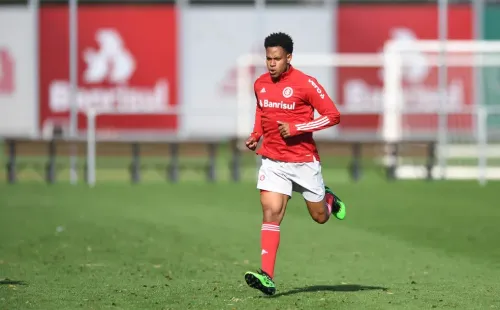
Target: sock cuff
x,y
270,226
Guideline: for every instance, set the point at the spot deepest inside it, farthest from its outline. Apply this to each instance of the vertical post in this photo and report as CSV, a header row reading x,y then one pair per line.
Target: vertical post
x,y
442,86
235,169
73,80
479,69
478,6
50,173
135,166
212,156
91,147
393,164
261,29
11,165
431,158
482,130
34,7
392,128
482,117
173,169
355,167
182,7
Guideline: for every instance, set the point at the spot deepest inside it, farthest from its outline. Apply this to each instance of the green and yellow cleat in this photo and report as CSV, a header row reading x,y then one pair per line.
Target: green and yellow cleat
x,y
338,208
260,281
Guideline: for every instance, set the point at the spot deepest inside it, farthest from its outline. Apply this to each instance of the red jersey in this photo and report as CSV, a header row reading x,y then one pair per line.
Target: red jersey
x,y
292,99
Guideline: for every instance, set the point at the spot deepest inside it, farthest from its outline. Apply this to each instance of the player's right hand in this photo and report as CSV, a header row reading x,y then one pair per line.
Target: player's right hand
x,y
251,143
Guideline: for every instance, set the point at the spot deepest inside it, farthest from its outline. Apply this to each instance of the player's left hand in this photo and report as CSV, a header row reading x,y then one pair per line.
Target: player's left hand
x,y
284,129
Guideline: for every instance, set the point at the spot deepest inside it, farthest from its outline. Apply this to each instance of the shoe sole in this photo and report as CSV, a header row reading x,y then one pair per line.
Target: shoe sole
x,y
255,283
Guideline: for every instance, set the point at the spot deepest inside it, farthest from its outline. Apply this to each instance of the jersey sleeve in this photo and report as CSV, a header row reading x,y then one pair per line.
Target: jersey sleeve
x,y
257,127
329,115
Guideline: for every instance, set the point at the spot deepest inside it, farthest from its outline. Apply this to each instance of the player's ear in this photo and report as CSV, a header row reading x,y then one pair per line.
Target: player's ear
x,y
288,58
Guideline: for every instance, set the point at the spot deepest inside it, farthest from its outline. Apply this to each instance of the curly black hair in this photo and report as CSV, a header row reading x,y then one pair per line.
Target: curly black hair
x,y
279,39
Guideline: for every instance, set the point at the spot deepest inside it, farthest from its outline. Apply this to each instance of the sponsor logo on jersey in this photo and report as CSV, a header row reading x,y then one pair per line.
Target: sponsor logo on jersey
x,y
277,105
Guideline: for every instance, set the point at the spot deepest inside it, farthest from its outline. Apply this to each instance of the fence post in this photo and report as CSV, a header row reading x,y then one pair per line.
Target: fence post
x,y
212,156
482,123
355,166
431,159
11,164
50,169
235,162
393,157
173,168
135,165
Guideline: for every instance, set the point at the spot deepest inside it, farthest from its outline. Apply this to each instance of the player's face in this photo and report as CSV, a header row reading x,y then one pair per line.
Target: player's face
x,y
277,60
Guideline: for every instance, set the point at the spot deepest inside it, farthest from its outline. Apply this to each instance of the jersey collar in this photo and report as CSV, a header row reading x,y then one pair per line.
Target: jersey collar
x,y
285,74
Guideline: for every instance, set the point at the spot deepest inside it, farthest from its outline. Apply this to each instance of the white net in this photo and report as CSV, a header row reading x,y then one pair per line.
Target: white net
x,y
436,92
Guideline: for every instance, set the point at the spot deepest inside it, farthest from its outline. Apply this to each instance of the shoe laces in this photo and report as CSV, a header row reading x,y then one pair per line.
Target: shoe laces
x,y
266,276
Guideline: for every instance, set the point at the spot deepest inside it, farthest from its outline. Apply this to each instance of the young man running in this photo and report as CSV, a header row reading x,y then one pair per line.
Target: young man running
x,y
286,100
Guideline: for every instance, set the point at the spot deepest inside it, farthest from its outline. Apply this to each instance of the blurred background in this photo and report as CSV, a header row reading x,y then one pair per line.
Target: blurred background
x,y
170,83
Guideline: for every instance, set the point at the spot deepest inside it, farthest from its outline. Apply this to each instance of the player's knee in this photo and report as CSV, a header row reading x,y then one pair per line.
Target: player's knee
x,y
273,207
271,215
272,211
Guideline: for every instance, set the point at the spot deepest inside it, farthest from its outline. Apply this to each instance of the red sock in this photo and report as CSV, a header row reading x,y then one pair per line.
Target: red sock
x,y
270,240
329,201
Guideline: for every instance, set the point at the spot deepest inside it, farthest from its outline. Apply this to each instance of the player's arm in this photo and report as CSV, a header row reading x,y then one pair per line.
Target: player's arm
x,y
319,99
257,127
254,138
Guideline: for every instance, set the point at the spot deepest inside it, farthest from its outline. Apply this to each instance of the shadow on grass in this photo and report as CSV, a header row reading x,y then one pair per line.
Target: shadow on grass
x,y
12,282
331,288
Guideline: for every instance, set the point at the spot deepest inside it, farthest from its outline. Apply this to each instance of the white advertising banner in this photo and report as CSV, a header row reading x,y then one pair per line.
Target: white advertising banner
x,y
212,41
18,105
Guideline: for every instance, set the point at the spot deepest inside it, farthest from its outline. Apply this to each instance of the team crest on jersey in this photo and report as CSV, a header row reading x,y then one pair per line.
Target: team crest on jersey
x,y
287,92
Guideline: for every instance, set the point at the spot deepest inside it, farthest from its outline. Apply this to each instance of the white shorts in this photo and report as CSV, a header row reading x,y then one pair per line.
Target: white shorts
x,y
285,178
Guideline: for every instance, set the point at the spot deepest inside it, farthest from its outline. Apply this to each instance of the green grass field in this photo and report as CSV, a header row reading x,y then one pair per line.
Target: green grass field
x,y
404,245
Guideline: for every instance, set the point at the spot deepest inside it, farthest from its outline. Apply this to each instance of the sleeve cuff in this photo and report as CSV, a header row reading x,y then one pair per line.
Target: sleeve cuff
x,y
256,136
293,130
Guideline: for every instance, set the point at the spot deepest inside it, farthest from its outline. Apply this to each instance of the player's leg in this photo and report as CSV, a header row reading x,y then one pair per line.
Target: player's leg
x,y
320,200
273,209
321,210
275,191
318,205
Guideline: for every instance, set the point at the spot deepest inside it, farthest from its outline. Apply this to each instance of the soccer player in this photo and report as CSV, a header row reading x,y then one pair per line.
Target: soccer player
x,y
286,100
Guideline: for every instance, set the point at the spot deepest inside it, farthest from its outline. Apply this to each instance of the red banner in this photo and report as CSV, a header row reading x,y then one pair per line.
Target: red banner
x,y
127,66
365,29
